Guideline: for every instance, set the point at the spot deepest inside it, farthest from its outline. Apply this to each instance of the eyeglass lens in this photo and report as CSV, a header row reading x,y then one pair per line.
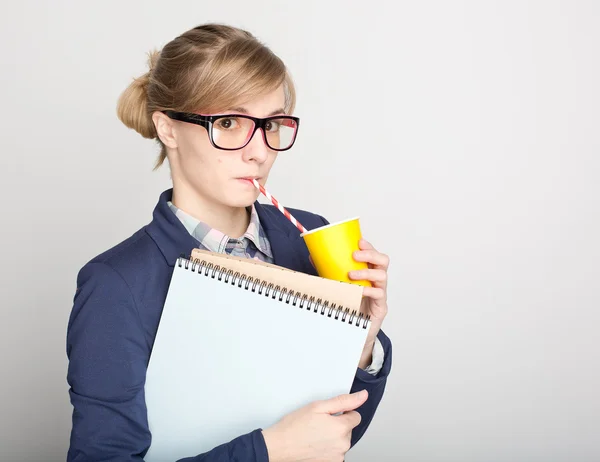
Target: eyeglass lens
x,y
234,132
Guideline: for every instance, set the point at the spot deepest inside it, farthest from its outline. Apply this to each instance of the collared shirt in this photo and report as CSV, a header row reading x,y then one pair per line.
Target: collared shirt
x,y
253,244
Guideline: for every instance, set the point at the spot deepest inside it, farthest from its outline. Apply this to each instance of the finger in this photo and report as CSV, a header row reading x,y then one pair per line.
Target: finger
x,y
352,418
372,256
375,293
343,403
373,275
365,245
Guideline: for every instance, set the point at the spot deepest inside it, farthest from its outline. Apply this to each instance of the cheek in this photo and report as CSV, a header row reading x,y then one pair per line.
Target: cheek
x,y
194,143
196,151
272,158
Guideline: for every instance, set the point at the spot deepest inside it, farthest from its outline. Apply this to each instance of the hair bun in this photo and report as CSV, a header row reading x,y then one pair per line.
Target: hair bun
x,y
132,107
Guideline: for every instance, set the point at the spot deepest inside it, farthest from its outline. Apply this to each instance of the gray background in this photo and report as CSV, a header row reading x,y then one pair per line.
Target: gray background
x,y
465,135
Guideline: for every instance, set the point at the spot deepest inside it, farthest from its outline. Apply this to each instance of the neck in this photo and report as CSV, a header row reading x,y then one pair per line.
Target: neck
x,y
232,221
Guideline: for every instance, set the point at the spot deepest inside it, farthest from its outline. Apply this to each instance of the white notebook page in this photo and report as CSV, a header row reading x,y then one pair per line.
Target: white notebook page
x,y
227,361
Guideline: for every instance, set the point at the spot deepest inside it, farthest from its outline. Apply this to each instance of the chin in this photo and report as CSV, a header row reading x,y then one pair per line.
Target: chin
x,y
241,200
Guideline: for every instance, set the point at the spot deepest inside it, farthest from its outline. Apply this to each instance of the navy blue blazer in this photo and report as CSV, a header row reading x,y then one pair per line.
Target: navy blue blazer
x,y
114,319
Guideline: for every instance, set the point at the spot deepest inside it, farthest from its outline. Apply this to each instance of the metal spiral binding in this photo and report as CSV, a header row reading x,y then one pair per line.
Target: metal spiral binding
x,y
268,289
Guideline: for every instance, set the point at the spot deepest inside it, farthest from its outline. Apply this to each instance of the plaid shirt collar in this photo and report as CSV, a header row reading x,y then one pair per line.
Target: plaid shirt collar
x,y
215,241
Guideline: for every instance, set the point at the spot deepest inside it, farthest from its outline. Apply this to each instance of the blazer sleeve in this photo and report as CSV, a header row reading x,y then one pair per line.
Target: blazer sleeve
x,y
108,354
374,384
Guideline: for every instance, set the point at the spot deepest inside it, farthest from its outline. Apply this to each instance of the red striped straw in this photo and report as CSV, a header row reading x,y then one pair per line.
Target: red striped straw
x,y
281,208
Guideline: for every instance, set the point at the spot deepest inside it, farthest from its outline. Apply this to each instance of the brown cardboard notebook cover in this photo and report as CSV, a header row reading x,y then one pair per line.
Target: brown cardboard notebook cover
x,y
341,293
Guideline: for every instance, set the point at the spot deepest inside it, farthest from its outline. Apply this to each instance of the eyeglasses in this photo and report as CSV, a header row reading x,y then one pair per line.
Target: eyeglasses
x,y
234,131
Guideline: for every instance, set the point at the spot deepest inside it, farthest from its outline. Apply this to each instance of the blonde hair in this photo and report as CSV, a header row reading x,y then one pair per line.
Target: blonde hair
x,y
208,69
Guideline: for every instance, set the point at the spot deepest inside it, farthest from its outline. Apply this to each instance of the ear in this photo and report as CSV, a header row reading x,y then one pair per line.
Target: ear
x,y
165,129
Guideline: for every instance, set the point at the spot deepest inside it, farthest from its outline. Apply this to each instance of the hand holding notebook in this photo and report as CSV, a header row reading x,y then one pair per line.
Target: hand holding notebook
x,y
316,431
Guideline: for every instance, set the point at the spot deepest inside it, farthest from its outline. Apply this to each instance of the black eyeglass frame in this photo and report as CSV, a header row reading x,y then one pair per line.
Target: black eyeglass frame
x,y
207,121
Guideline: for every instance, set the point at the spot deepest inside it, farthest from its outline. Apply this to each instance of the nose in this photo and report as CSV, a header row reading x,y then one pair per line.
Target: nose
x,y
256,149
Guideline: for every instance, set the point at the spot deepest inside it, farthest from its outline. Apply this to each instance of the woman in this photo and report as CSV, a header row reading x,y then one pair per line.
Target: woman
x,y
218,102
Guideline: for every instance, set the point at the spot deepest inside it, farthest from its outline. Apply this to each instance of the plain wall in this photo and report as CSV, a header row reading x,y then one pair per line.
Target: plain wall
x,y
464,134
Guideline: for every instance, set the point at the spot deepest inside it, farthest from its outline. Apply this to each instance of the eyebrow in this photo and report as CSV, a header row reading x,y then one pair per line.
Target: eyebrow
x,y
242,110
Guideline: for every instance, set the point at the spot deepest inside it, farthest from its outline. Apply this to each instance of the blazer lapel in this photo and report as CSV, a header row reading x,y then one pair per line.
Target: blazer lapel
x,y
168,232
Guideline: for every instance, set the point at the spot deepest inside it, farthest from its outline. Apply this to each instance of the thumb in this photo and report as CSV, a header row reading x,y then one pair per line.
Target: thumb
x,y
344,403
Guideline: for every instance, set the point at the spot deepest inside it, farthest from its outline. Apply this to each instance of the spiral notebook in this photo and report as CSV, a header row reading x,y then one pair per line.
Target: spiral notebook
x,y
240,344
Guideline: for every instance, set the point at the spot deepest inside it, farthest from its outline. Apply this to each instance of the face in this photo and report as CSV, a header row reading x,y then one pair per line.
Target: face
x,y
218,178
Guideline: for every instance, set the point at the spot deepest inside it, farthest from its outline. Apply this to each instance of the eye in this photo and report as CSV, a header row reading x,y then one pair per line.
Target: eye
x,y
227,123
272,126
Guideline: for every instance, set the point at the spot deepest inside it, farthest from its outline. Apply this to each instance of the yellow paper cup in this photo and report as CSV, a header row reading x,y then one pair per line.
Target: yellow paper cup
x,y
331,247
